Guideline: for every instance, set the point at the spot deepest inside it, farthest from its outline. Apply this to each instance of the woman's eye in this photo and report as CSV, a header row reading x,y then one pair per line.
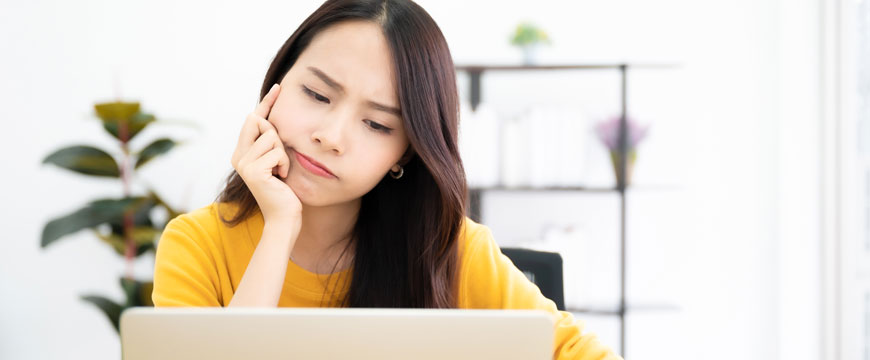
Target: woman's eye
x,y
320,98
315,95
378,127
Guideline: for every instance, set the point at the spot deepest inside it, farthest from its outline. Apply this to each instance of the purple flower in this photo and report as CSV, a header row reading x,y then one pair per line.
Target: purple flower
x,y
608,133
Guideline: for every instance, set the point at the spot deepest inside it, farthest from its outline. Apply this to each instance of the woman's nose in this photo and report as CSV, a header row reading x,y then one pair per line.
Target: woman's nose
x,y
330,135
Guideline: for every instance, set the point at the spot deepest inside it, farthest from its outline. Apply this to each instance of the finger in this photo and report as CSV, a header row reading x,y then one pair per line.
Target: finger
x,y
265,105
254,127
271,135
263,144
265,127
271,159
283,162
251,130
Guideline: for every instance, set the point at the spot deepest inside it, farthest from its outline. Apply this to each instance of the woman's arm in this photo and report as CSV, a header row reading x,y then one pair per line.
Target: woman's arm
x,y
263,280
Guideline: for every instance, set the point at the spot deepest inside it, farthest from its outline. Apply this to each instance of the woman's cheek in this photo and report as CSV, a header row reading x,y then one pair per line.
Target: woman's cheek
x,y
291,116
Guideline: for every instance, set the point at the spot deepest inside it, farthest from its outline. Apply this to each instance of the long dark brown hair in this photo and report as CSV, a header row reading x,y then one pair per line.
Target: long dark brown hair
x,y
407,230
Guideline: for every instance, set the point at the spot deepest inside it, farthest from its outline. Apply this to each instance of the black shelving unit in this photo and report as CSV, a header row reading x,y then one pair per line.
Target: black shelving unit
x,y
475,193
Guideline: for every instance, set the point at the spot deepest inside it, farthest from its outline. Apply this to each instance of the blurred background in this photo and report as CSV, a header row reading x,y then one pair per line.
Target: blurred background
x,y
746,215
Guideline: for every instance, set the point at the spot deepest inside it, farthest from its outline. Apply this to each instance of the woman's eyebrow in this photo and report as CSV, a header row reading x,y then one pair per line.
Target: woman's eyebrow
x,y
335,85
385,108
328,80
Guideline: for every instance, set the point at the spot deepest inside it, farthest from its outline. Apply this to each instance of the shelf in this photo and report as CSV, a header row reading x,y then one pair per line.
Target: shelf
x,y
544,188
476,70
615,311
590,66
518,188
475,193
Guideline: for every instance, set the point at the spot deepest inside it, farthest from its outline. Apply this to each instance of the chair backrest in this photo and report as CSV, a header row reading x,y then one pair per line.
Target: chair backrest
x,y
542,268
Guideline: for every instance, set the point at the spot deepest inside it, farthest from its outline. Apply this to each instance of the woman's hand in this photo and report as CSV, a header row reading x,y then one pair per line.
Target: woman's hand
x,y
262,162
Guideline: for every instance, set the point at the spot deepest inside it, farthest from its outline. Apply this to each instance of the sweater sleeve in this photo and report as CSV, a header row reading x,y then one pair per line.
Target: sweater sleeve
x,y
184,270
493,281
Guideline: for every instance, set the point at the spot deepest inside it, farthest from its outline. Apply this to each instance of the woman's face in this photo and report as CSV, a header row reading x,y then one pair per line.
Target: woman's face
x,y
338,105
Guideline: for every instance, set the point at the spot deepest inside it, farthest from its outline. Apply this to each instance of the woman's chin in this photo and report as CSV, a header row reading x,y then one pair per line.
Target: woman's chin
x,y
304,189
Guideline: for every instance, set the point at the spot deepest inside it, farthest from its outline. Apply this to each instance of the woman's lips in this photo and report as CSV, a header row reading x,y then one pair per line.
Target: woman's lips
x,y
313,166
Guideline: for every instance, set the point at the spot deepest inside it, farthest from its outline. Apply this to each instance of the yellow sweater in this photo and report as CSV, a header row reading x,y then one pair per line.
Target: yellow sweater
x,y
200,262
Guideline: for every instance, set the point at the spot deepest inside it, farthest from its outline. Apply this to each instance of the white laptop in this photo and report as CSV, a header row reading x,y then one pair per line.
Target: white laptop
x,y
335,333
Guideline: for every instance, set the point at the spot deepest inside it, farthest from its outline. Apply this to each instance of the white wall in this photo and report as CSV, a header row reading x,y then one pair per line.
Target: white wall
x,y
706,235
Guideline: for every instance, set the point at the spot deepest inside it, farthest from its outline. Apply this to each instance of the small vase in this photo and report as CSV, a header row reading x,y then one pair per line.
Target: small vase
x,y
530,54
615,161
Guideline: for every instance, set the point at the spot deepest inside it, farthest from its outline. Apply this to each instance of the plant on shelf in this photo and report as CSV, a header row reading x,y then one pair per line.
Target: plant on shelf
x,y
608,133
529,37
123,223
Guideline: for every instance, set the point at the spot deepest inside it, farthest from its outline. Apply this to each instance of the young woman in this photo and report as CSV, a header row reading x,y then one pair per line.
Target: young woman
x,y
348,188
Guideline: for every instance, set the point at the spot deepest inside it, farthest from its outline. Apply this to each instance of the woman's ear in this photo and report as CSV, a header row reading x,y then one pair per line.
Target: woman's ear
x,y
409,154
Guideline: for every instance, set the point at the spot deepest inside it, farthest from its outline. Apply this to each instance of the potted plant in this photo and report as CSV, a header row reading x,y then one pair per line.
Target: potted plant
x,y
608,133
528,37
123,223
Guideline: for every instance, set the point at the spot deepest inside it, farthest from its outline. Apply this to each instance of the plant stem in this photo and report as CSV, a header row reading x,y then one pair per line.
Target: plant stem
x,y
130,250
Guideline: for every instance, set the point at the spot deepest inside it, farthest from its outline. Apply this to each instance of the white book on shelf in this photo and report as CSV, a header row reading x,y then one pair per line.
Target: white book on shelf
x,y
515,160
573,139
478,145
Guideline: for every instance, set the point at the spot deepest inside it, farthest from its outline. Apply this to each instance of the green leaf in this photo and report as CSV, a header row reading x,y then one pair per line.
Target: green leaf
x,y
95,213
141,209
143,248
111,309
151,151
130,287
116,110
528,33
117,114
143,237
86,160
145,292
134,125
144,233
172,212
138,293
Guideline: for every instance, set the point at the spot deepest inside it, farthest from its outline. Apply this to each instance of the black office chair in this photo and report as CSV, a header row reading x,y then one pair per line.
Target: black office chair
x,y
542,268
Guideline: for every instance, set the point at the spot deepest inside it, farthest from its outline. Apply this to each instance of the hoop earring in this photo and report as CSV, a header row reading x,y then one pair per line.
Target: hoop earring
x,y
401,172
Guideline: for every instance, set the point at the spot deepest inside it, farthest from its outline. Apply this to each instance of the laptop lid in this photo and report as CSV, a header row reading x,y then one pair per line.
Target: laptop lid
x,y
335,333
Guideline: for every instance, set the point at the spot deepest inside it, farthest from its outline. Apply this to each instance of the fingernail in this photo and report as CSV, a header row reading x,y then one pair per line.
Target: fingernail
x,y
273,87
